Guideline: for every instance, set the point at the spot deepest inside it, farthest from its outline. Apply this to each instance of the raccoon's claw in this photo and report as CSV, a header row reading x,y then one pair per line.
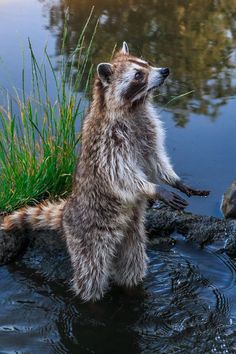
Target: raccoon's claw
x,y
171,199
199,192
191,191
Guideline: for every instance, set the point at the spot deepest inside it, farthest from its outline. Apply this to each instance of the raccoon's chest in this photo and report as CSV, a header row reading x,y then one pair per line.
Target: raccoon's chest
x,y
146,147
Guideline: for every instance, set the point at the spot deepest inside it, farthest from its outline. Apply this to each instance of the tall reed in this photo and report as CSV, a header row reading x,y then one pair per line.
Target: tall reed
x,y
38,136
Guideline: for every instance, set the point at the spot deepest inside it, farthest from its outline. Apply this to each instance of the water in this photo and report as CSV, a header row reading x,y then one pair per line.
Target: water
x,y
188,302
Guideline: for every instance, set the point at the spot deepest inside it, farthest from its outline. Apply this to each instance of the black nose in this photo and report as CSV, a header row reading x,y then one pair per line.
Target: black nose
x,y
165,72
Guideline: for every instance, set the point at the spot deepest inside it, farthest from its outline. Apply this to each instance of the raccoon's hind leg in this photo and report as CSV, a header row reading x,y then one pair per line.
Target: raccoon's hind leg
x,y
91,257
131,261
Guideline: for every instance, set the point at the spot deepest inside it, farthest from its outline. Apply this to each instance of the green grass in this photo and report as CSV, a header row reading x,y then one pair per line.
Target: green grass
x,y
38,135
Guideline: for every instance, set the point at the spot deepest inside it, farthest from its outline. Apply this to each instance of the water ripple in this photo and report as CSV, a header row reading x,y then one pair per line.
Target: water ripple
x,y
186,305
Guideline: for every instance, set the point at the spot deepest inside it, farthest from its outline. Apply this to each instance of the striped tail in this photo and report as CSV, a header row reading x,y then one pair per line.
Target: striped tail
x,y
47,215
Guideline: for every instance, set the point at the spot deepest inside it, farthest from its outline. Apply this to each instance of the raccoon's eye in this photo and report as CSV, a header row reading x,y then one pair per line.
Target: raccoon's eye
x,y
139,75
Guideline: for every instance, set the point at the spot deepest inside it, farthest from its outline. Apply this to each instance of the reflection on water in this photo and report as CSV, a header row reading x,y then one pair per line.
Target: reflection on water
x,y
196,39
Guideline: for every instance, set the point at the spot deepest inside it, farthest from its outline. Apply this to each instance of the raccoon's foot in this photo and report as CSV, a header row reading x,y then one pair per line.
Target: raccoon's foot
x,y
171,199
190,191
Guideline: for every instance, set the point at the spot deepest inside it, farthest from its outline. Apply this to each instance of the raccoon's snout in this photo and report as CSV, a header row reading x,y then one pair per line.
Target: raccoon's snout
x,y
165,72
157,78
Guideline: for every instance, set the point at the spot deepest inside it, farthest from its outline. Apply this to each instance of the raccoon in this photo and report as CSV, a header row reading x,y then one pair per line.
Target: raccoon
x,y
121,163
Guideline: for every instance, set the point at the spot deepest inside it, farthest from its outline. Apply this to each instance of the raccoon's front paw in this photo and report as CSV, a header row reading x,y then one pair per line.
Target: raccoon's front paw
x,y
171,199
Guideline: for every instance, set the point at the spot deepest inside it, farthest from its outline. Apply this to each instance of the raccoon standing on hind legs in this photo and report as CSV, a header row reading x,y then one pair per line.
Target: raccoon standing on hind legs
x,y
122,158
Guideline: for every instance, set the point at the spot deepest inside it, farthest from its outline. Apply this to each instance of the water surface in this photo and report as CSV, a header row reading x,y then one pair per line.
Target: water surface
x,y
187,304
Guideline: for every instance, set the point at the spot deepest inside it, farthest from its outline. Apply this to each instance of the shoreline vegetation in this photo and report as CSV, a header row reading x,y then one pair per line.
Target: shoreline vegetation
x,y
39,135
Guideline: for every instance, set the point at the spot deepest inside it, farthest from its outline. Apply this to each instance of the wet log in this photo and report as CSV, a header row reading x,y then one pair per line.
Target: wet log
x,y
203,230
45,252
11,244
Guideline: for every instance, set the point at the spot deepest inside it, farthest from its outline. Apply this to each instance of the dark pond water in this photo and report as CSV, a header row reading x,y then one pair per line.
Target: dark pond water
x,y
189,303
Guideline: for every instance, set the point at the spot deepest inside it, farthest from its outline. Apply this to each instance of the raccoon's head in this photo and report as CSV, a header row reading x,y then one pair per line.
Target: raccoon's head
x,y
127,80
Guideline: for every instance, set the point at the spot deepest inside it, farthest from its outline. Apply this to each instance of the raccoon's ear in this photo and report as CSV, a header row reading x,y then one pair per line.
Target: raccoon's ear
x,y
125,48
104,71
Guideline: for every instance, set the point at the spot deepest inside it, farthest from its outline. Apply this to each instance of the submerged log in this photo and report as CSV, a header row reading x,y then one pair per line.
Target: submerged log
x,y
46,253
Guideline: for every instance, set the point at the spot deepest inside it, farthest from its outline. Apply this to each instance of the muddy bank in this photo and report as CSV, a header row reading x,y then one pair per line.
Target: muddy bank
x,y
45,252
